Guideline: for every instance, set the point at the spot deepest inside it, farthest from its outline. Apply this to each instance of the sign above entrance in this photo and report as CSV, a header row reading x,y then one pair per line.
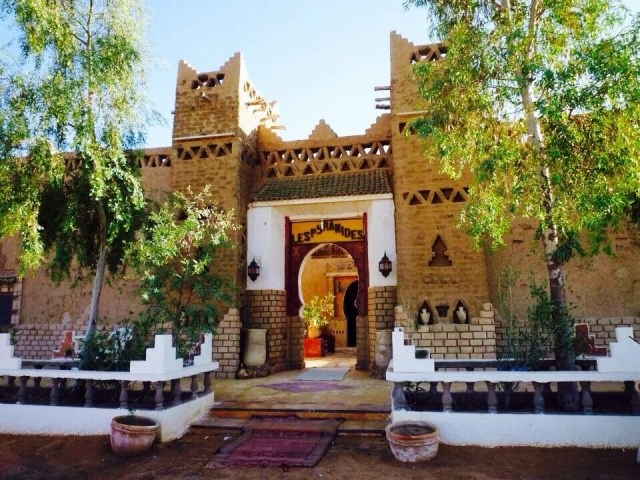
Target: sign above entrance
x,y
323,231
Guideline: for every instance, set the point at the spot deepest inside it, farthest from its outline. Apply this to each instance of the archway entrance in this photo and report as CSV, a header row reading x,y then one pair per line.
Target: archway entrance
x,y
330,270
337,265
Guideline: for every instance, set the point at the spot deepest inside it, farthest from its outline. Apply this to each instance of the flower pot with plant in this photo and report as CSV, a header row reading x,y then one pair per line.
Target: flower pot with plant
x,y
317,313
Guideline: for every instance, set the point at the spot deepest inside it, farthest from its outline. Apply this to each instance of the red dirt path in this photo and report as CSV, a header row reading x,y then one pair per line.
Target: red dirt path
x,y
353,458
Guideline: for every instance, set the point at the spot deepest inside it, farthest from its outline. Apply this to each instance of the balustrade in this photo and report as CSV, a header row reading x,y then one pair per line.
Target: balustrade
x,y
57,380
455,382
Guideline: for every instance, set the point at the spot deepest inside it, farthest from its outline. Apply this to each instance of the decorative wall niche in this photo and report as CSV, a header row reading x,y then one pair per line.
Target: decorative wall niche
x,y
443,310
439,257
425,315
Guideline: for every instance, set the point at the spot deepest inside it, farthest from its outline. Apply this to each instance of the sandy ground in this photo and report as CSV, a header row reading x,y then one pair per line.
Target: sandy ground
x,y
352,458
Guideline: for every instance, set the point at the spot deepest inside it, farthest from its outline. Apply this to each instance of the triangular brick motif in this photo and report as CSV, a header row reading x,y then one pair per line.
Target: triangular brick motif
x,y
322,131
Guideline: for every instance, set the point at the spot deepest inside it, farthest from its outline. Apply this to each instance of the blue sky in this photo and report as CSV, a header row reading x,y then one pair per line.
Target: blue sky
x,y
317,59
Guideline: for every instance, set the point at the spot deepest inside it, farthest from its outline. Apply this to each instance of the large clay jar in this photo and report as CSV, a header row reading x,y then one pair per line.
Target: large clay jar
x,y
425,316
255,347
461,315
413,441
133,434
383,349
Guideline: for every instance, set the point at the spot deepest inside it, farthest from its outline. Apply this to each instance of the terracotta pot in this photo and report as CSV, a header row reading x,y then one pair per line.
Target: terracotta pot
x,y
133,434
313,332
413,441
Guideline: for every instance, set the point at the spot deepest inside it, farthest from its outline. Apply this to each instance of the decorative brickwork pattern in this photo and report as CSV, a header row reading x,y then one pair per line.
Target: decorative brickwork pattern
x,y
428,53
156,158
327,158
434,197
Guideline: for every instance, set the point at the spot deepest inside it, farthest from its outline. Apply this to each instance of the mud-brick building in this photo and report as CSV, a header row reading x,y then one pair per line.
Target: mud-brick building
x,y
318,215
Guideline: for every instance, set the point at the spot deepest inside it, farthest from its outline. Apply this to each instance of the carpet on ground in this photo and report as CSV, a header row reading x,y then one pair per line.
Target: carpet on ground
x,y
322,374
305,387
278,442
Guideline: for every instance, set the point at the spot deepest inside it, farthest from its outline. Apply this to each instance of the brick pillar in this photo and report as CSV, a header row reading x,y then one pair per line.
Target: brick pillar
x,y
226,344
296,343
362,345
381,302
268,309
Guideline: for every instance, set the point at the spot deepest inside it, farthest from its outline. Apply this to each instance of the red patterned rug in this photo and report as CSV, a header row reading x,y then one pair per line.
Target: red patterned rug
x,y
297,387
278,442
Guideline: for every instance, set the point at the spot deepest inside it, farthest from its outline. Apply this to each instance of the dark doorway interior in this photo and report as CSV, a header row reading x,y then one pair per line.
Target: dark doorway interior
x,y
6,305
350,307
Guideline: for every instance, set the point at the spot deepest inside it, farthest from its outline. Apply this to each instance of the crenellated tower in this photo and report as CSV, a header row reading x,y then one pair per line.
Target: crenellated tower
x,y
436,261
215,131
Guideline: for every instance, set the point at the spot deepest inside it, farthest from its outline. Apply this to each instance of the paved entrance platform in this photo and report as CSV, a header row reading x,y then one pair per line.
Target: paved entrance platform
x,y
364,403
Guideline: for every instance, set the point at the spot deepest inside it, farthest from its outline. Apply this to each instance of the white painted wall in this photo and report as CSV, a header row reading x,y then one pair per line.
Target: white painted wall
x,y
381,238
48,420
541,430
266,233
265,243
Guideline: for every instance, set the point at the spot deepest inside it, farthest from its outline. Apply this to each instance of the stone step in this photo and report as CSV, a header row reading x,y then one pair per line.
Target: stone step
x,y
235,425
246,413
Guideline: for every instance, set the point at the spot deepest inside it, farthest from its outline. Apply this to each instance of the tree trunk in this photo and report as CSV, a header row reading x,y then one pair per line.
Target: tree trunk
x,y
98,282
563,346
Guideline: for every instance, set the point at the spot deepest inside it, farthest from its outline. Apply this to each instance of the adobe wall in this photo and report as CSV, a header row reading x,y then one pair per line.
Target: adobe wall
x,y
600,286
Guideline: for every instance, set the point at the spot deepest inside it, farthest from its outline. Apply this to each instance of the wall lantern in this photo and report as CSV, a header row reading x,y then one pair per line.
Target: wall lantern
x,y
385,266
253,270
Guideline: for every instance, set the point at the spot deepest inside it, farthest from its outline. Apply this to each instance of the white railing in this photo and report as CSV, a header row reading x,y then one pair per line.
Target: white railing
x,y
60,377
161,367
540,381
537,426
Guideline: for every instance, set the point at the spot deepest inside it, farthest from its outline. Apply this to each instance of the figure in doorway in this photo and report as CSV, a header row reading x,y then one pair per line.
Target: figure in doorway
x,y
350,306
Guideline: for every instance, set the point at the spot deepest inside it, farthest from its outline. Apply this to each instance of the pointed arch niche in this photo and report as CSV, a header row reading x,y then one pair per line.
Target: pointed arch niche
x,y
439,257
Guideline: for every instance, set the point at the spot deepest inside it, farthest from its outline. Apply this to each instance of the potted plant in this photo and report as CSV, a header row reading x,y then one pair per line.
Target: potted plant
x,y
317,313
413,441
133,434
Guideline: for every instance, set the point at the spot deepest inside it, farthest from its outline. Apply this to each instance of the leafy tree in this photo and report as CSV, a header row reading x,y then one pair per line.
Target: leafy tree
x,y
538,102
175,258
78,90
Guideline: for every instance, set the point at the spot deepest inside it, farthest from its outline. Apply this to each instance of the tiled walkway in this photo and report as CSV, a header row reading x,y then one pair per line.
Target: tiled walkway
x,y
357,391
363,402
